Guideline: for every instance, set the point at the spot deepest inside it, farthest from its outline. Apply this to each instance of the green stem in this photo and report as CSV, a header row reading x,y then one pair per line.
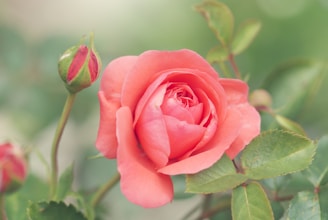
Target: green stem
x,y
206,202
99,195
55,144
3,215
234,66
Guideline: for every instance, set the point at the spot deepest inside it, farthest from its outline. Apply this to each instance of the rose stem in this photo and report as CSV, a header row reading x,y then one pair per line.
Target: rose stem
x,y
101,192
234,66
3,215
206,203
55,144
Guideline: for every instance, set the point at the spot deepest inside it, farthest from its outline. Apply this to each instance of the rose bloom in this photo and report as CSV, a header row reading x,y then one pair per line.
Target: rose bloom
x,y
166,113
13,168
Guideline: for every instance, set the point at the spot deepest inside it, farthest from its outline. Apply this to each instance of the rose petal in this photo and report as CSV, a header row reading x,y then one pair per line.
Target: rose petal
x,y
151,129
140,183
210,120
195,79
183,136
151,63
221,141
236,90
250,128
110,100
237,94
106,141
172,108
184,106
114,76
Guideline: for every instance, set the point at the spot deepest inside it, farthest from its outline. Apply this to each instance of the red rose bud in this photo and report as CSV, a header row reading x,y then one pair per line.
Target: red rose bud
x,y
79,66
13,168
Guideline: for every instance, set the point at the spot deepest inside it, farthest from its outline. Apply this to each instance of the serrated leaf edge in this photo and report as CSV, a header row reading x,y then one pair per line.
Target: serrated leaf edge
x,y
295,171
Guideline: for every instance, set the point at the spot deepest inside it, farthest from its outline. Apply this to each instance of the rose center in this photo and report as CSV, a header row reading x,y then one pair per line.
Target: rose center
x,y
181,103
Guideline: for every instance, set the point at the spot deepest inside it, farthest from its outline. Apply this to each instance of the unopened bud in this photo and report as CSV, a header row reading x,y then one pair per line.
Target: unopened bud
x,y
13,168
260,99
79,66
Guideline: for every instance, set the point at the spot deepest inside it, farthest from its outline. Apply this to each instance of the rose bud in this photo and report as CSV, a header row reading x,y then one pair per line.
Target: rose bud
x,y
79,66
13,168
260,99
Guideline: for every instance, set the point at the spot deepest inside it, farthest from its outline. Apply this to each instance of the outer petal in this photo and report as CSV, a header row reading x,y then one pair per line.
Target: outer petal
x,y
237,96
250,128
140,182
225,135
110,100
236,90
106,141
151,63
114,76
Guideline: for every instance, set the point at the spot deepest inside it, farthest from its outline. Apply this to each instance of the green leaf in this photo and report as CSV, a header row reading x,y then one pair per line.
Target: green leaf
x,y
65,183
287,185
317,172
217,54
305,205
293,84
245,35
278,183
53,211
290,125
219,19
250,203
275,153
219,177
323,201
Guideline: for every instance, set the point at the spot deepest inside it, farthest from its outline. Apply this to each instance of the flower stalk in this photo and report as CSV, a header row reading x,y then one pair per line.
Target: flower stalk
x,y
100,194
234,66
55,144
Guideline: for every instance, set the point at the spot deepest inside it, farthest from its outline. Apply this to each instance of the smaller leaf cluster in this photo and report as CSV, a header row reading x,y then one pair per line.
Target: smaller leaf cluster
x,y
220,20
272,154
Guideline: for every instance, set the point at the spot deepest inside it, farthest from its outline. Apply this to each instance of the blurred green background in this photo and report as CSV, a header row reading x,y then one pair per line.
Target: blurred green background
x,y
34,33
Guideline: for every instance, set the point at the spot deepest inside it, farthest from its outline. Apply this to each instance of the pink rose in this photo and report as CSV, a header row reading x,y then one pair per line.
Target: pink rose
x,y
165,113
13,167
